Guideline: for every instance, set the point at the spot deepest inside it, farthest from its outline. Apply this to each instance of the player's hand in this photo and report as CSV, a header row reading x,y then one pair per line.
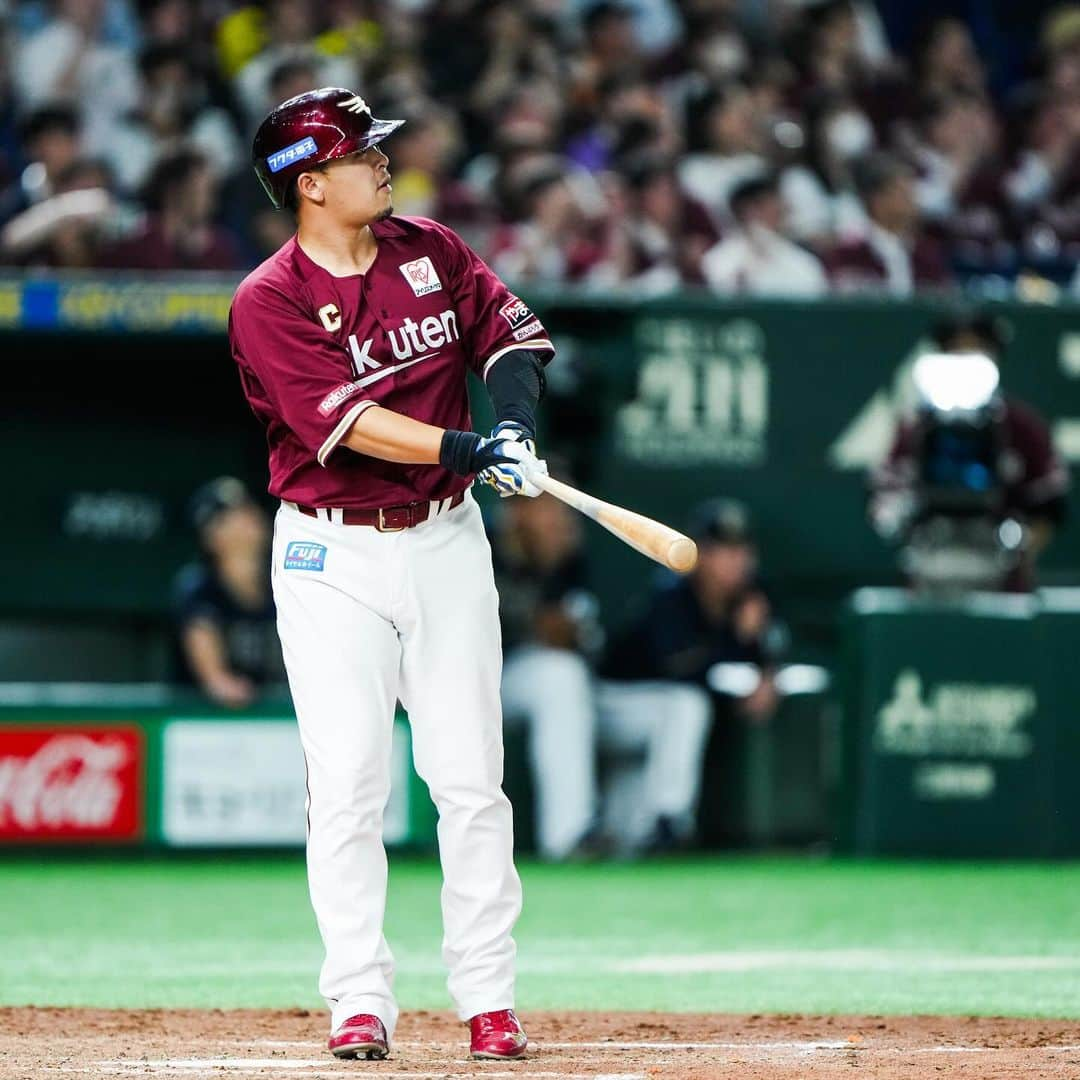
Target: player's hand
x,y
511,473
508,478
510,462
511,429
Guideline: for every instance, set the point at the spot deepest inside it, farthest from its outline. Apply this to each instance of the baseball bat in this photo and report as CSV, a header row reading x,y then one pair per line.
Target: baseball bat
x,y
659,542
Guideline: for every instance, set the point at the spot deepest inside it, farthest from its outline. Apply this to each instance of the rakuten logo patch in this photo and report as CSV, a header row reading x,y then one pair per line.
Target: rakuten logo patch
x,y
336,397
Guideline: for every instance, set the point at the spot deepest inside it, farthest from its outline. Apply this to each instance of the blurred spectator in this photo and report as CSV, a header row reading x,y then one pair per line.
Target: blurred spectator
x,y
293,76
727,145
172,108
423,155
661,234
1022,477
819,191
9,112
527,127
69,61
757,258
831,53
225,616
179,233
896,252
1045,186
946,60
610,49
726,89
549,633
51,141
284,30
1047,153
713,48
66,230
499,48
554,241
631,120
169,22
517,47
961,181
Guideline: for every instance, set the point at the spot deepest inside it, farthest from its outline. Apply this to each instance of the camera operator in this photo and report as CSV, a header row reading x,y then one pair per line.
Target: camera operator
x,y
972,487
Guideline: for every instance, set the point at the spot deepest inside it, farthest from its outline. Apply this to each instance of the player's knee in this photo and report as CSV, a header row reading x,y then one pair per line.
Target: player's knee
x,y
471,802
357,795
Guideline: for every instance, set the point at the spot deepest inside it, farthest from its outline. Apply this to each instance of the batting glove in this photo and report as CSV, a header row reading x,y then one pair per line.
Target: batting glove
x,y
512,477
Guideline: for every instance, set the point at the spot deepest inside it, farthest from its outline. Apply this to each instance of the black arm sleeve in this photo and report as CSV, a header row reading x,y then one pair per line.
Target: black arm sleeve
x,y
516,384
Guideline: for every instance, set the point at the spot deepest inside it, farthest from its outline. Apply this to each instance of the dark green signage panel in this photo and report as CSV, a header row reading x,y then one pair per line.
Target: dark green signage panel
x,y
115,419
959,733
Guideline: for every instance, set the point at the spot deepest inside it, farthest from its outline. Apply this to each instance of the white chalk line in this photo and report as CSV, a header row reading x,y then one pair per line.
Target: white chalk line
x,y
543,1044
606,1044
307,1066
802,1047
241,1065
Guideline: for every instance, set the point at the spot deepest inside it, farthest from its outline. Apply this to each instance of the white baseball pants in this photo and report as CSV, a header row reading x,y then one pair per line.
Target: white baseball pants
x,y
409,616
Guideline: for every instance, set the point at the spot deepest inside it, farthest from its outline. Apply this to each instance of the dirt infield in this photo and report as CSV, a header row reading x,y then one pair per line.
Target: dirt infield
x,y
36,1043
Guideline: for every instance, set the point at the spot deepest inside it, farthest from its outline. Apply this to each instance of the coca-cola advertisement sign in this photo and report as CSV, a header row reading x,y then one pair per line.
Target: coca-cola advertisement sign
x,y
77,783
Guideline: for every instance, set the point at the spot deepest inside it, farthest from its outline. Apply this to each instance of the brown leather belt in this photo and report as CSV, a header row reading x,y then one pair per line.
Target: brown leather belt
x,y
388,518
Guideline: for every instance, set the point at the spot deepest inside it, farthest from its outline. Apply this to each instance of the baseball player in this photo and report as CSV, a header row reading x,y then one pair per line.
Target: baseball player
x,y
353,343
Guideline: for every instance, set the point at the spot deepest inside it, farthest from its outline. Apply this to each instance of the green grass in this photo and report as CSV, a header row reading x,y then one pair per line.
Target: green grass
x,y
765,935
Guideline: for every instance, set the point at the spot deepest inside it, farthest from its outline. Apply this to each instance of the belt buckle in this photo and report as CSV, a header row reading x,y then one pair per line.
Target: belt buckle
x,y
381,525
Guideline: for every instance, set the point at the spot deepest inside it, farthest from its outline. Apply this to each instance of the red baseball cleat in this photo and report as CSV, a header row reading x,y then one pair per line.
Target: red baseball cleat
x,y
359,1036
497,1035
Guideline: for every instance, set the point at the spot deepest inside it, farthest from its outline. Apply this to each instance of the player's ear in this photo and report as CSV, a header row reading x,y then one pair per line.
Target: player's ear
x,y
310,185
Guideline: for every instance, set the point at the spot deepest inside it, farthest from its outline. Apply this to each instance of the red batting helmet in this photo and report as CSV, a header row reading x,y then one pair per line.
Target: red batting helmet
x,y
309,129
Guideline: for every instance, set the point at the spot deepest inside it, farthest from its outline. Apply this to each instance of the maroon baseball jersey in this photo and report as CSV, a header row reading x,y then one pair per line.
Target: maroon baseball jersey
x,y
314,351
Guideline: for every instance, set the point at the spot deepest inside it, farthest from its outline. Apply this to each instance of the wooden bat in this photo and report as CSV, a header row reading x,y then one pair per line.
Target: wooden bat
x,y
665,545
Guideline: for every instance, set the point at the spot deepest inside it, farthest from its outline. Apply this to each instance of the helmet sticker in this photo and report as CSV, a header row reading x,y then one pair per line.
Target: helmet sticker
x,y
355,104
297,151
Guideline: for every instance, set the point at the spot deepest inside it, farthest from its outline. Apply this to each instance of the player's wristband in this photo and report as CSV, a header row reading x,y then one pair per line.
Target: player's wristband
x,y
457,451
465,452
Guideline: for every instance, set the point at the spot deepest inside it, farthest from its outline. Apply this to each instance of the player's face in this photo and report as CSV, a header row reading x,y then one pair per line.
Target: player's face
x,y
357,188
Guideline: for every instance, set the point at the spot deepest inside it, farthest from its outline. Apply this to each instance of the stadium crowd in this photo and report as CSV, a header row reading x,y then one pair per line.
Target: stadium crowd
x,y
777,147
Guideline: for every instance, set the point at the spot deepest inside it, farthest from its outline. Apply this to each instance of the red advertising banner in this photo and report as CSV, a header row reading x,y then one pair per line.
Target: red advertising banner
x,y
71,783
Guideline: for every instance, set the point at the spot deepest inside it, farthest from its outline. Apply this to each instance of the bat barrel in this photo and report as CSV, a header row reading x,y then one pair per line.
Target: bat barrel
x,y
651,538
682,555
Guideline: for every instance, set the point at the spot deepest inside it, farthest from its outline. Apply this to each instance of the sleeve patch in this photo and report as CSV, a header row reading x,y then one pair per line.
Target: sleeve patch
x,y
337,396
515,312
523,332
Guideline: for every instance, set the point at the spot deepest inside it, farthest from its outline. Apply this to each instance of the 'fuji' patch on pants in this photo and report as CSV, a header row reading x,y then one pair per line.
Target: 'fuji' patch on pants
x,y
304,555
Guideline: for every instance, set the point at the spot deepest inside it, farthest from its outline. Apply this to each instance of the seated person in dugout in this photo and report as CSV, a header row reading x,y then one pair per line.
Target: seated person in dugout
x,y
551,637
718,614
227,638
